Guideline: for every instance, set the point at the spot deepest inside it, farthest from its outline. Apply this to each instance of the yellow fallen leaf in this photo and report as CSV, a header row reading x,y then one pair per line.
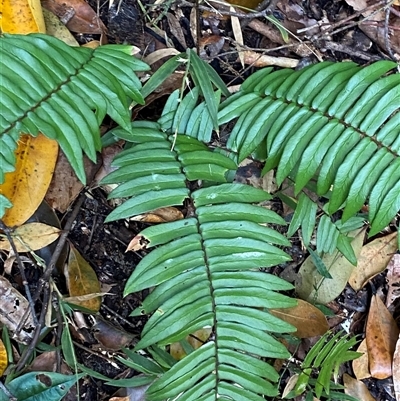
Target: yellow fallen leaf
x,y
26,186
356,388
21,16
56,28
82,280
373,259
308,319
31,237
381,335
3,358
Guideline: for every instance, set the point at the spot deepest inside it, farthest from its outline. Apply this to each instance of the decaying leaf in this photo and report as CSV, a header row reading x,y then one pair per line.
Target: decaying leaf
x,y
310,285
3,358
82,280
393,278
381,335
31,237
56,28
308,319
396,370
373,259
13,307
361,364
356,388
26,186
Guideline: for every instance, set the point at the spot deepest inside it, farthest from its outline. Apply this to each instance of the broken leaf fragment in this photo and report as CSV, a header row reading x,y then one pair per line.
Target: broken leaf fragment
x,y
356,388
3,358
82,281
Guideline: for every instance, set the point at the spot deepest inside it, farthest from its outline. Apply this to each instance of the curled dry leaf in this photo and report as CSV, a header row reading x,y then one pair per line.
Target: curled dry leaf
x,y
31,237
381,335
361,364
82,280
373,259
356,388
308,320
13,307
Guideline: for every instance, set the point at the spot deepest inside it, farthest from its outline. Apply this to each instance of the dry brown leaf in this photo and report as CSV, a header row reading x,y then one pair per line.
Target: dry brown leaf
x,y
263,60
13,307
162,215
65,185
373,259
361,364
47,362
356,388
396,370
308,320
111,337
31,237
381,335
77,15
393,278
82,280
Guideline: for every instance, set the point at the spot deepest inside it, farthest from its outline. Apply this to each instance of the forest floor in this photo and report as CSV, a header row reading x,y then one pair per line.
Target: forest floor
x,y
362,31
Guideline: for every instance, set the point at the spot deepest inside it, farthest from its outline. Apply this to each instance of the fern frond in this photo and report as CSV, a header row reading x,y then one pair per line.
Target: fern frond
x,y
336,121
205,267
53,88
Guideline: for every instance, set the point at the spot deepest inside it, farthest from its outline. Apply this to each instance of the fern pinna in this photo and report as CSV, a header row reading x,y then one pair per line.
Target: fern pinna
x,y
337,123
64,92
205,267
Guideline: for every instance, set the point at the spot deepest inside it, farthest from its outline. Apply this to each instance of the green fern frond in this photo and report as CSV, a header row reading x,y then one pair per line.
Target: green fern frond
x,y
205,267
335,121
53,88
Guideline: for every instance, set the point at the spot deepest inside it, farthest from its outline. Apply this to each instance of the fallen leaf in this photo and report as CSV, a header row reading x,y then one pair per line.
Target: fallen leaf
x,y
82,280
3,358
196,340
310,285
361,364
111,337
162,215
65,185
308,319
21,16
381,335
83,19
13,307
56,28
27,185
47,362
356,388
373,259
393,279
396,370
31,237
